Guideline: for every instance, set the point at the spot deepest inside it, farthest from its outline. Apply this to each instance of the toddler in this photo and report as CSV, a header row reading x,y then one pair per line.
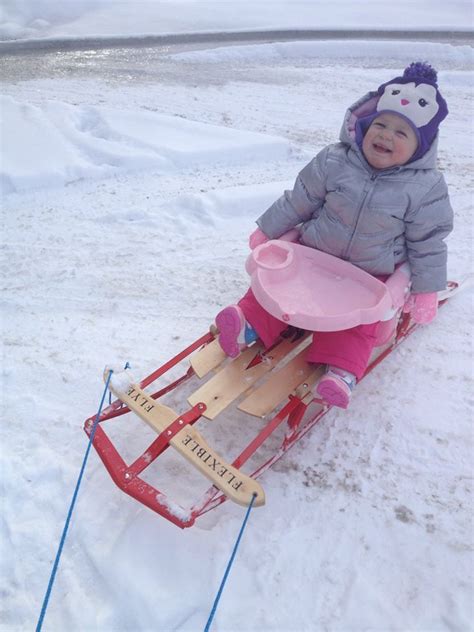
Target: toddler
x,y
375,199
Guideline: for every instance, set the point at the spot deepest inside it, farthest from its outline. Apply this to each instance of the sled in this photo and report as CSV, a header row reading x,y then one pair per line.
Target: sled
x,y
269,392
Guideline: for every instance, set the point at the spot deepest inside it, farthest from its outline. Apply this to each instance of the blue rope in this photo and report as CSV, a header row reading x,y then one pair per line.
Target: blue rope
x,y
227,570
73,502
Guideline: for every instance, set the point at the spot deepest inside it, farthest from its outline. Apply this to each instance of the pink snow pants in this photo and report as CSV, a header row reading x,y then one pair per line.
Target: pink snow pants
x,y
349,349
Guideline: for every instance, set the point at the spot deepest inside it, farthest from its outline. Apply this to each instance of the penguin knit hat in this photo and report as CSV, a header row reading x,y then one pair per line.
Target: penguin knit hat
x,y
414,96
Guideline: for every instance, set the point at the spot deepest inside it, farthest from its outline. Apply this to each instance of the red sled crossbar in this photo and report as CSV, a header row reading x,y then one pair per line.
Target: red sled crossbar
x,y
300,412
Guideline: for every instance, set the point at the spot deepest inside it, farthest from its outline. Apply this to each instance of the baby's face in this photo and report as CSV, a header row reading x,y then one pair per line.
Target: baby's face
x,y
389,141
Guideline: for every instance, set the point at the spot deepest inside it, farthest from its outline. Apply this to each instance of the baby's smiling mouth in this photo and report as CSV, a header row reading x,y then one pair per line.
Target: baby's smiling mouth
x,y
381,149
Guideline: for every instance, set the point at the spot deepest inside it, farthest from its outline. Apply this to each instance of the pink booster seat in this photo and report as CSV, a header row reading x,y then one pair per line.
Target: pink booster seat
x,y
316,291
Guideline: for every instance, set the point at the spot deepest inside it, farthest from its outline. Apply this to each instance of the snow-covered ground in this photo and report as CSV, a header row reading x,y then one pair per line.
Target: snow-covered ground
x,y
128,200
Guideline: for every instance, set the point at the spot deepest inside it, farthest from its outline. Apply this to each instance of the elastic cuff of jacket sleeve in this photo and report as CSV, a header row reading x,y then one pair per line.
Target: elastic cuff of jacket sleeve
x,y
427,289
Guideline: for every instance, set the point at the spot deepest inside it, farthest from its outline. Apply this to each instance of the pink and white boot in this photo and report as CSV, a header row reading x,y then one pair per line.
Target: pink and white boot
x,y
234,332
335,388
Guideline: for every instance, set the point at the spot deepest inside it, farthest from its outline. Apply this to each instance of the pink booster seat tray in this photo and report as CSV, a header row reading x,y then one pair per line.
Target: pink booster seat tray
x,y
312,290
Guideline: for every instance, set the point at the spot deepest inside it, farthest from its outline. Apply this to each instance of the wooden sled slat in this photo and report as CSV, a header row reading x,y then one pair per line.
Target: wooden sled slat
x,y
235,378
218,392
278,387
207,358
189,443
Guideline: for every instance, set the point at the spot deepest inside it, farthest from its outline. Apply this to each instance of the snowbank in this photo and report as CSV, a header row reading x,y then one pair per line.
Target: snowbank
x,y
84,142
440,55
83,18
29,18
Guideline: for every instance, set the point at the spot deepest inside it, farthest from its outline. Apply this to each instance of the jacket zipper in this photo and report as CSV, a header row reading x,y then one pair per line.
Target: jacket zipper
x,y
368,189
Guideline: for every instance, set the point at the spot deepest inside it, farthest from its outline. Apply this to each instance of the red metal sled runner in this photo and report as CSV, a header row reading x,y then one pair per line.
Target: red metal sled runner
x,y
274,385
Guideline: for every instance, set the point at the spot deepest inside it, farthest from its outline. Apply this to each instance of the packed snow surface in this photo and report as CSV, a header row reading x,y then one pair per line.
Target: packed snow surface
x,y
128,200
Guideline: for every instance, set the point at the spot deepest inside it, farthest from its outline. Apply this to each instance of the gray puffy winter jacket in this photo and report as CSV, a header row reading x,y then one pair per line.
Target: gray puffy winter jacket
x,y
374,219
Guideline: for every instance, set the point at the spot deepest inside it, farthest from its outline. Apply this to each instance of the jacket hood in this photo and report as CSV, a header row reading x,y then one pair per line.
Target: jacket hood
x,y
365,107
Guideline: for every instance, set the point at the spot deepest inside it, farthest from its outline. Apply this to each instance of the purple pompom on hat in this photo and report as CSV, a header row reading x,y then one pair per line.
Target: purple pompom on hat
x,y
416,97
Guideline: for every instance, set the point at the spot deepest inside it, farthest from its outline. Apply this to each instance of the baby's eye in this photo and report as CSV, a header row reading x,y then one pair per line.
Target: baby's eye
x,y
422,102
400,133
395,92
377,124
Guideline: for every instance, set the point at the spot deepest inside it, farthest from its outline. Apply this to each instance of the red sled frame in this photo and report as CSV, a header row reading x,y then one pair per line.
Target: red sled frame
x,y
127,477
